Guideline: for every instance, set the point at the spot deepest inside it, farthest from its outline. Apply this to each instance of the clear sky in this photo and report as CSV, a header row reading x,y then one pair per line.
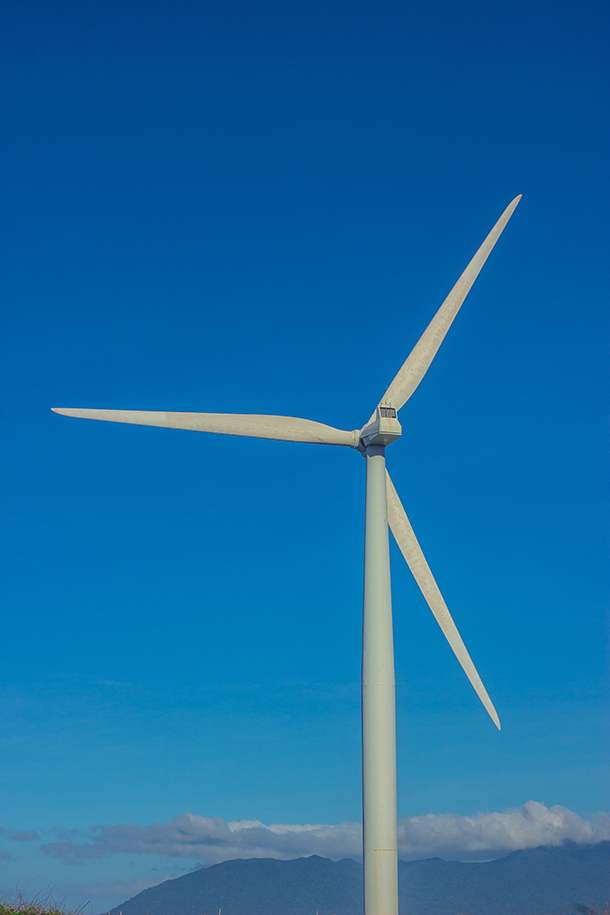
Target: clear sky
x,y
257,207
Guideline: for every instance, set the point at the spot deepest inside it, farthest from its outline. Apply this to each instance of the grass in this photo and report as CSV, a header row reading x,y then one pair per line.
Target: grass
x,y
38,905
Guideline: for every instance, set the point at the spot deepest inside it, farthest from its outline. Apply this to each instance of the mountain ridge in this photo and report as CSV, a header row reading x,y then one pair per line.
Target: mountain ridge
x,y
548,880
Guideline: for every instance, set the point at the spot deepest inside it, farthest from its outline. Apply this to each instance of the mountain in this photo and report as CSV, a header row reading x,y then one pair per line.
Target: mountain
x,y
537,881
257,886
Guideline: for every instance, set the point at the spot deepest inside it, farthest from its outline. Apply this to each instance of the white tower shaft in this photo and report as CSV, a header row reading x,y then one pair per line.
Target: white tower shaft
x,y
378,701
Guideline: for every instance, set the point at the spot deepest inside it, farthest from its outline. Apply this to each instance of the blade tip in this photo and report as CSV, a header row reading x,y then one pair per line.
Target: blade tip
x,y
66,411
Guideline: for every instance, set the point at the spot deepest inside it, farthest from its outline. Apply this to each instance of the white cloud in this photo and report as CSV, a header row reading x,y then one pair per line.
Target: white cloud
x,y
210,840
489,835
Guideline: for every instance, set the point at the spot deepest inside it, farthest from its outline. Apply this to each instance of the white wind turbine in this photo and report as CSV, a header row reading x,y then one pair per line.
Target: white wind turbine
x,y
383,507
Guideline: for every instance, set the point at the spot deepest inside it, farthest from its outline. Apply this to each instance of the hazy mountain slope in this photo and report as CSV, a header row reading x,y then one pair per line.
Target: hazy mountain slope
x,y
539,881
258,886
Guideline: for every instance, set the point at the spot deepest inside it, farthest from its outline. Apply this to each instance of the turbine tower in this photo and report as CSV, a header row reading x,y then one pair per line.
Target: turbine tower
x,y
383,508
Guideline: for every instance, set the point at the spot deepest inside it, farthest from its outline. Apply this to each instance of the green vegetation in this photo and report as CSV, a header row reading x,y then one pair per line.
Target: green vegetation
x,y
39,905
27,908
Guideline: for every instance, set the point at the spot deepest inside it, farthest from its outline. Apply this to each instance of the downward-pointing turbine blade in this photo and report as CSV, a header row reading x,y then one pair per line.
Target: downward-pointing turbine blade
x,y
424,351
411,550
281,428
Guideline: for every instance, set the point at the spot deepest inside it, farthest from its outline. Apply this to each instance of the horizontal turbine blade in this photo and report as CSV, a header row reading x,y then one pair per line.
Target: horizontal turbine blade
x,y
411,550
281,428
424,351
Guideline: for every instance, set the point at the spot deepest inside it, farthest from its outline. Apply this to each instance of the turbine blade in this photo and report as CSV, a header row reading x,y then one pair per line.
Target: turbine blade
x,y
281,428
411,550
424,351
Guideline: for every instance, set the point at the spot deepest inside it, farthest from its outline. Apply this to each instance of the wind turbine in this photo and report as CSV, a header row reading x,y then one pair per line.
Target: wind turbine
x,y
383,507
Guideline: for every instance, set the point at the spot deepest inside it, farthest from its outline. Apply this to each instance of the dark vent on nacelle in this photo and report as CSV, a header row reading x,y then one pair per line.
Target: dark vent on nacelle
x,y
387,411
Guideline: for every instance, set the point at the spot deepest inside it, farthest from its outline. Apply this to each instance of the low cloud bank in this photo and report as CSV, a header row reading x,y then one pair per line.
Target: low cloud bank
x,y
211,840
491,835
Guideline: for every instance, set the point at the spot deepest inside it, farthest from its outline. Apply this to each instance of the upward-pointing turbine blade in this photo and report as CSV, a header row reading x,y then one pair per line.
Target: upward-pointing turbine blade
x,y
424,351
411,550
281,428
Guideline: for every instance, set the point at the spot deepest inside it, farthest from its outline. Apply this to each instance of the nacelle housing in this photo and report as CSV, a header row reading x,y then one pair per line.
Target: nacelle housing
x,y
383,429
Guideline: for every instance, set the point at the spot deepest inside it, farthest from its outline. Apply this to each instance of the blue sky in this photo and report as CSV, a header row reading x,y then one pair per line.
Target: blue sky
x,y
258,207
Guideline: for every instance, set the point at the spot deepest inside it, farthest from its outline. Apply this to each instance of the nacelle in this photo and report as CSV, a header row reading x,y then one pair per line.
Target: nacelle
x,y
383,429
